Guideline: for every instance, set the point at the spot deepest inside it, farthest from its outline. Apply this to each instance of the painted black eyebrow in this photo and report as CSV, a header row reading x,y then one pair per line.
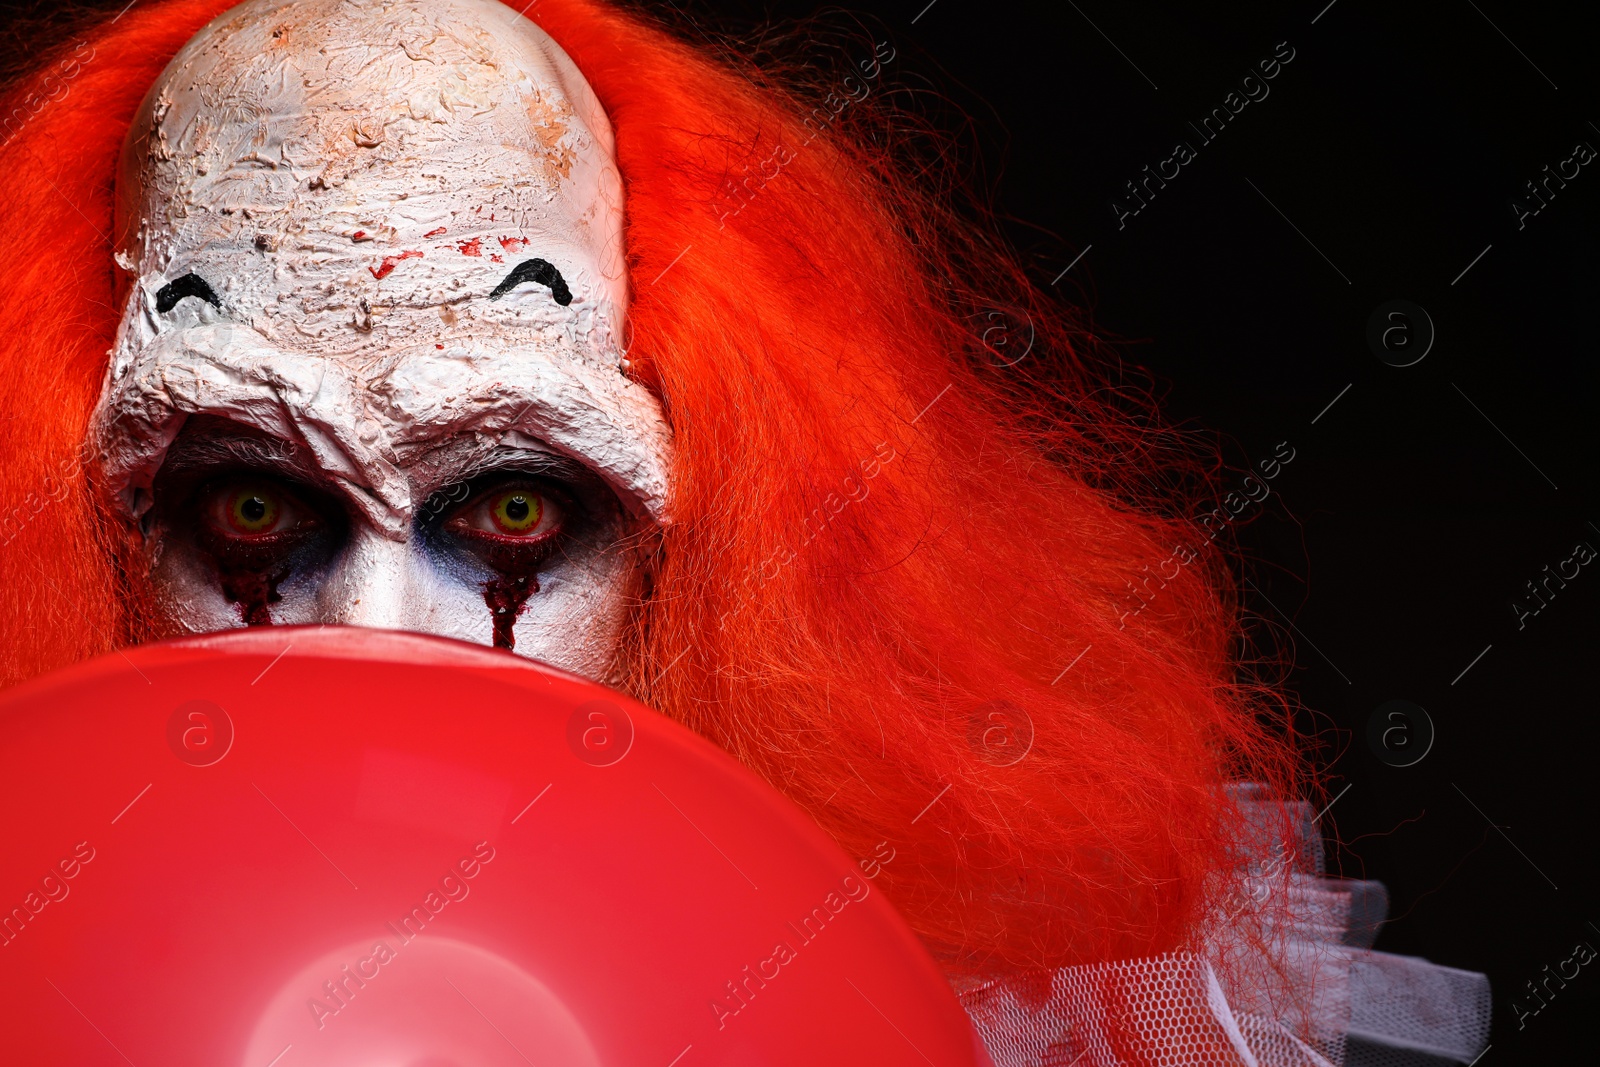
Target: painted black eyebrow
x,y
168,295
531,270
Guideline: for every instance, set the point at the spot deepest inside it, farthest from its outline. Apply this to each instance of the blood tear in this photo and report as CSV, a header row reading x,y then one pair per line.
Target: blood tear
x,y
506,596
252,591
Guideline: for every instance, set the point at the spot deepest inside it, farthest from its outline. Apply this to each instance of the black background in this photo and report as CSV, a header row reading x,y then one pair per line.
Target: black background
x,y
1380,167
1420,503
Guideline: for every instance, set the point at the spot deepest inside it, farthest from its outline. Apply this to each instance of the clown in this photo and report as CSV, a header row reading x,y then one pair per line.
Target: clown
x,y
431,315
356,382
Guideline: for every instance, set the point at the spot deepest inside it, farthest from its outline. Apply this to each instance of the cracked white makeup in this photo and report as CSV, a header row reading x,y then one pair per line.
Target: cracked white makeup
x,y
368,369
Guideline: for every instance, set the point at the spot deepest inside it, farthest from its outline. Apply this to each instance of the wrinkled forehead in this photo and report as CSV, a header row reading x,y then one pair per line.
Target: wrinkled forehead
x,y
346,133
372,226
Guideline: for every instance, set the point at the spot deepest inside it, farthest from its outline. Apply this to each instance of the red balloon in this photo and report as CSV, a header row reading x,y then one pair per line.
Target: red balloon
x,y
287,847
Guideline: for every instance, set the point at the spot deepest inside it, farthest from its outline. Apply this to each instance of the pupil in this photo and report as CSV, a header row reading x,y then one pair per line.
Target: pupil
x,y
254,509
517,508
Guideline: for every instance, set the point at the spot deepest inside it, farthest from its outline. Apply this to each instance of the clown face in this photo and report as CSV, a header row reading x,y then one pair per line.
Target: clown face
x,y
368,369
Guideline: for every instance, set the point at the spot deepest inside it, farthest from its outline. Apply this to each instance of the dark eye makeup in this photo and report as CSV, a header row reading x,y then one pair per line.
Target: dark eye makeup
x,y
511,523
248,509
257,529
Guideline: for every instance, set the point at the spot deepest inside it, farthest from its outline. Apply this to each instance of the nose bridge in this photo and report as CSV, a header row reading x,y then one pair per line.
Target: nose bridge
x,y
370,584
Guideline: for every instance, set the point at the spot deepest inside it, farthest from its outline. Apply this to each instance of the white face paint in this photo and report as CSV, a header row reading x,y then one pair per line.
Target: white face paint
x,y
330,398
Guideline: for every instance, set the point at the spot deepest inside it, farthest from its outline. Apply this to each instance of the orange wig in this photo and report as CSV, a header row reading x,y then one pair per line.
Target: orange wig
x,y
886,546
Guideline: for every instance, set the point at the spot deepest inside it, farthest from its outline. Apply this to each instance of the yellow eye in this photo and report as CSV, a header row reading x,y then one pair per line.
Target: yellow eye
x,y
252,509
515,515
516,511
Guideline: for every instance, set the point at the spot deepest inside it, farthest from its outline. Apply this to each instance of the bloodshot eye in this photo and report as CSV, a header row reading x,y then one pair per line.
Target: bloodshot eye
x,y
252,509
515,515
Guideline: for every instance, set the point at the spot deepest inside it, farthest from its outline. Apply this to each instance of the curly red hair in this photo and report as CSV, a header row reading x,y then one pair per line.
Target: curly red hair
x,y
885,545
